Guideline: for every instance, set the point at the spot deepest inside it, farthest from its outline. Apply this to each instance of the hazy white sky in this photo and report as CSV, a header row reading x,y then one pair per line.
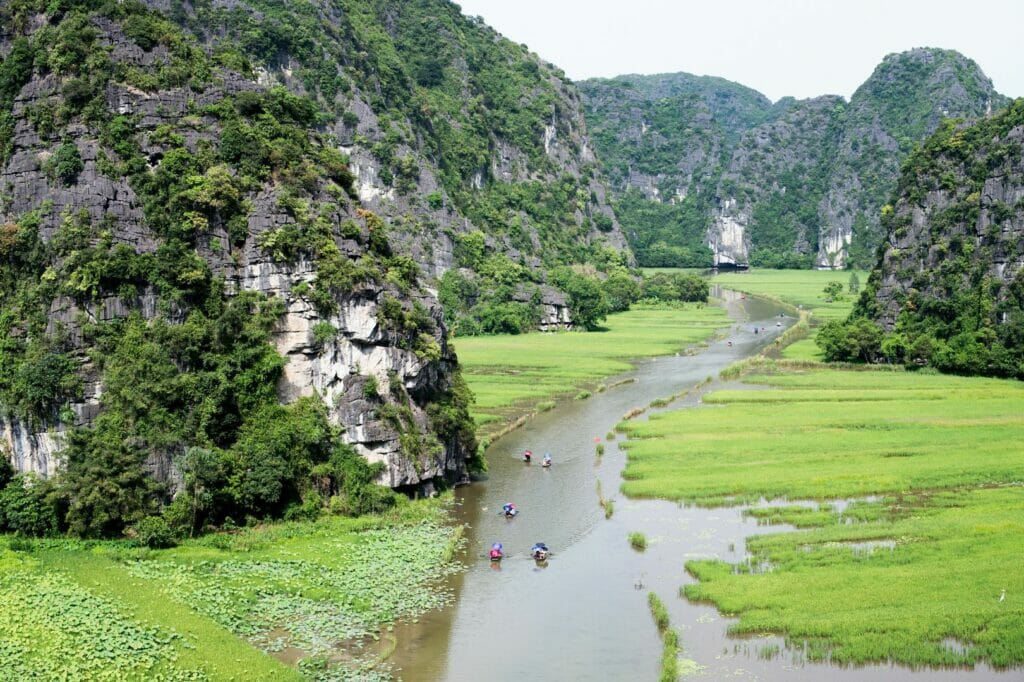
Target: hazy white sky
x,y
802,48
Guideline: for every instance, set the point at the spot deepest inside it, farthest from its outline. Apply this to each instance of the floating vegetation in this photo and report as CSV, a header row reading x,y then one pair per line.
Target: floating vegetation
x,y
314,588
582,395
545,406
48,622
638,541
610,435
669,638
599,448
659,402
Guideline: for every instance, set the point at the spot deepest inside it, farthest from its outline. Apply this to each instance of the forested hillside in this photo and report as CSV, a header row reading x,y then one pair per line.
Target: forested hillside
x,y
794,184
222,229
948,289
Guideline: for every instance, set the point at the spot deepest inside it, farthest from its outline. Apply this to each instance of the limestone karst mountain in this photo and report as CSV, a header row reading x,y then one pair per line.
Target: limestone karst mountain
x,y
219,217
948,288
709,164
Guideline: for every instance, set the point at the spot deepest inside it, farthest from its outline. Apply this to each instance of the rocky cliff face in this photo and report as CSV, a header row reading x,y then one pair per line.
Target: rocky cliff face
x,y
952,268
774,172
162,160
664,141
802,183
896,108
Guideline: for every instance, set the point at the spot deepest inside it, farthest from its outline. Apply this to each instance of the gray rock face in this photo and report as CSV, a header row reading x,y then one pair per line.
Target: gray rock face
x,y
335,371
952,231
776,164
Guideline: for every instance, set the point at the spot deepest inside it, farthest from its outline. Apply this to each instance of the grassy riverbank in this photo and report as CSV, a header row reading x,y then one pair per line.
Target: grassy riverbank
x,y
915,573
290,601
512,374
803,288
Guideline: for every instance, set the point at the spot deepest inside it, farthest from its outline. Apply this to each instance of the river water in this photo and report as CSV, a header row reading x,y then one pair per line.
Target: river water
x,y
585,615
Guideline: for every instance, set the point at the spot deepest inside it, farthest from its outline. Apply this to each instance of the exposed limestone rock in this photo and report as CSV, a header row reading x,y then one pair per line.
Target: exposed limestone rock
x,y
728,238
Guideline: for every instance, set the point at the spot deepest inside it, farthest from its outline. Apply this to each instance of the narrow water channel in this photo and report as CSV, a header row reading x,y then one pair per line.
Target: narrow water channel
x,y
585,615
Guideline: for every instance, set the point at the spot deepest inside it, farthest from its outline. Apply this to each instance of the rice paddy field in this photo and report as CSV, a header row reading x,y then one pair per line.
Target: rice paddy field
x,y
509,374
294,601
908,492
802,288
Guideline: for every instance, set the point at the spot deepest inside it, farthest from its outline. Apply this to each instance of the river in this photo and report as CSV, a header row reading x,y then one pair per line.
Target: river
x,y
585,615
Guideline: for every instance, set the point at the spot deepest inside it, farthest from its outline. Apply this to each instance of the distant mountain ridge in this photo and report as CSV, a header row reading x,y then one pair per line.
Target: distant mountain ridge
x,y
705,171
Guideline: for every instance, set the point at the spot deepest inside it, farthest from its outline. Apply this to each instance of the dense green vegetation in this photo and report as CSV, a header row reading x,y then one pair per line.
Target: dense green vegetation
x,y
496,301
223,606
954,313
939,451
654,125
196,383
508,374
445,91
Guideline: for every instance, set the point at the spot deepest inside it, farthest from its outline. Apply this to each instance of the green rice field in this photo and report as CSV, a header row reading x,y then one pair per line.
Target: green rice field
x,y
801,288
294,601
924,568
510,373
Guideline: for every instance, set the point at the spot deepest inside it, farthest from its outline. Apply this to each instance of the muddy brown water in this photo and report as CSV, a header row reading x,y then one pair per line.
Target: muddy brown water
x,y
585,616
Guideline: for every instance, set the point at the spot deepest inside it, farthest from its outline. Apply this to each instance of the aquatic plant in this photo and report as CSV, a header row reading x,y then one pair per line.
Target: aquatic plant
x,y
638,541
658,611
582,395
669,657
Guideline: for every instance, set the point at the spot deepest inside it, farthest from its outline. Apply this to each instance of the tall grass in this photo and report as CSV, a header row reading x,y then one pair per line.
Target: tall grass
x,y
658,611
669,638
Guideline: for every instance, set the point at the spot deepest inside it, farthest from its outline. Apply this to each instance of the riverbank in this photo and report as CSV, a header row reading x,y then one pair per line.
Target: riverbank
x,y
581,615
515,375
802,289
289,601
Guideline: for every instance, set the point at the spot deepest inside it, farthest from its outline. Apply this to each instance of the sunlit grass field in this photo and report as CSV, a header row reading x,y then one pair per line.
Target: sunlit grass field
x,y
523,370
804,349
295,601
942,453
795,287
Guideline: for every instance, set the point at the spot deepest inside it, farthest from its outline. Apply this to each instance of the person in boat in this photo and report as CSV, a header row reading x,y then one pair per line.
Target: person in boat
x,y
539,551
527,455
495,553
509,509
547,459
